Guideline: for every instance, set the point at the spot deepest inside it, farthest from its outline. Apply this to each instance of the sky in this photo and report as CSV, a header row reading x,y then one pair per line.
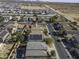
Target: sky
x,y
72,1
75,1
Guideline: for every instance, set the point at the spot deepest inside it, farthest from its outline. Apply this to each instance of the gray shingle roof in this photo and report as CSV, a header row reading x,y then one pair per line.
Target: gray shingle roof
x,y
36,49
36,53
36,45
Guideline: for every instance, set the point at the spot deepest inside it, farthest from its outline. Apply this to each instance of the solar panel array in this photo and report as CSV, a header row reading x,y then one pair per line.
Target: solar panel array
x,y
3,33
35,37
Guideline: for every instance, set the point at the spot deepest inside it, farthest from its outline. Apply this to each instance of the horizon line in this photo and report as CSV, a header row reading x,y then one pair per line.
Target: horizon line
x,y
40,1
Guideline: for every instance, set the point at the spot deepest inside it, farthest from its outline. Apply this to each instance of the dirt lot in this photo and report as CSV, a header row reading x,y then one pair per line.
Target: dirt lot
x,y
74,15
68,9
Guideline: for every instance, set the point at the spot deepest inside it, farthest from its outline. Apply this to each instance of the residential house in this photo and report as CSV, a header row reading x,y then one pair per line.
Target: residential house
x,y
4,35
36,50
35,37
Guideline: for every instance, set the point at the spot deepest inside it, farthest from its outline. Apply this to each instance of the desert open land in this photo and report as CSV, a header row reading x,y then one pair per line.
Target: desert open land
x,y
71,9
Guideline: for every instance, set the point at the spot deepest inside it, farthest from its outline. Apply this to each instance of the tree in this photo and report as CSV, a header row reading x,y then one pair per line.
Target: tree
x,y
22,16
53,19
53,53
17,37
13,38
49,41
74,23
35,15
62,31
45,31
26,32
73,27
77,46
30,26
1,19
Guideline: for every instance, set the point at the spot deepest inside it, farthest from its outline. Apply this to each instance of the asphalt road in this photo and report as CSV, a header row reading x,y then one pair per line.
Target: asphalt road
x,y
31,14
60,49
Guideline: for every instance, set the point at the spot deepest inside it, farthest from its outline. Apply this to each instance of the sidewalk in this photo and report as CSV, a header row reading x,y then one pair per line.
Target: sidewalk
x,y
53,47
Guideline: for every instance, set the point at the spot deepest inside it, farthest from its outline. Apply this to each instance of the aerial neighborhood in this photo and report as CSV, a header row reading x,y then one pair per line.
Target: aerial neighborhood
x,y
36,31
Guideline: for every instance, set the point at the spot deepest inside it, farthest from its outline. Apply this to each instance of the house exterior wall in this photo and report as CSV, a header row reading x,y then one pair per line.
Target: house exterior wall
x,y
35,57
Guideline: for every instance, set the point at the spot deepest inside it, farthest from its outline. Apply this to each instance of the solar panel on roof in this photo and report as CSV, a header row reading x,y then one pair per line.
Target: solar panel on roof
x,y
2,34
20,52
35,37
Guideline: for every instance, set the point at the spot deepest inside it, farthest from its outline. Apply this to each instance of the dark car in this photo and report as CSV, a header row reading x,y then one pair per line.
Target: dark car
x,y
57,26
55,33
58,40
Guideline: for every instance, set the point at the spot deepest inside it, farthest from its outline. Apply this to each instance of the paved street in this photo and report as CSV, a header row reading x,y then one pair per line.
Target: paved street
x,y
61,50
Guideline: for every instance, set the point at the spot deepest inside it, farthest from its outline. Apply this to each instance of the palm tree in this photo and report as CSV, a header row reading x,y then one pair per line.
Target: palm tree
x,y
17,37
